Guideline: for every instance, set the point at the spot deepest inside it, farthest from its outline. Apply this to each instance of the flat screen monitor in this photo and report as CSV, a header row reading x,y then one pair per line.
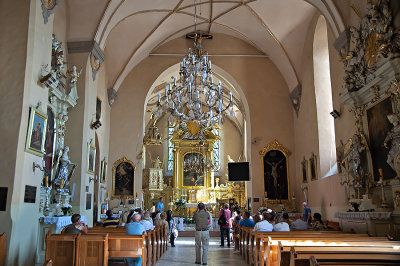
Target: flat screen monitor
x,y
238,171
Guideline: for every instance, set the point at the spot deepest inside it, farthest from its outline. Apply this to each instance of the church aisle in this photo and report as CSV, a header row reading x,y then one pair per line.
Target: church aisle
x,y
184,254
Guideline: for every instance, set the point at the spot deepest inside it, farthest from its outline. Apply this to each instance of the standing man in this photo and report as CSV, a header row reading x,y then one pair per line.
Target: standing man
x,y
202,219
160,205
307,213
135,228
224,227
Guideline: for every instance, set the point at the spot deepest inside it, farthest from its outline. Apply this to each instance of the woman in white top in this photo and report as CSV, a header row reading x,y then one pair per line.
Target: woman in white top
x,y
280,225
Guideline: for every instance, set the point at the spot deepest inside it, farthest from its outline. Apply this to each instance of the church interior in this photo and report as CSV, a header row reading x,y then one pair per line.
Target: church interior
x,y
257,104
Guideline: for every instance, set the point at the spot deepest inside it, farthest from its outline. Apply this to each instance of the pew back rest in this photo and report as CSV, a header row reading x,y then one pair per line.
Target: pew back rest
x,y
60,248
92,249
126,246
3,251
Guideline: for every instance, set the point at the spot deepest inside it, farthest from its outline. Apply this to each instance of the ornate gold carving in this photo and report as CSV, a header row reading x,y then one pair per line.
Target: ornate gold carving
x,y
95,63
275,145
371,51
193,127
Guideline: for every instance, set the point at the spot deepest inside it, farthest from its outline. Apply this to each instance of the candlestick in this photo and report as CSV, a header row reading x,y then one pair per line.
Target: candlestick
x,y
46,181
380,174
62,183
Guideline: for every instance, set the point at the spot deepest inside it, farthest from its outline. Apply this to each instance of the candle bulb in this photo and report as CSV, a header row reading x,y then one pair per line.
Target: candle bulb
x,y
62,183
107,195
46,181
380,174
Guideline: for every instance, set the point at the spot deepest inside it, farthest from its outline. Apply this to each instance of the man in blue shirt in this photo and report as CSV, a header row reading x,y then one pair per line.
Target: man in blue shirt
x,y
247,222
160,205
307,213
135,228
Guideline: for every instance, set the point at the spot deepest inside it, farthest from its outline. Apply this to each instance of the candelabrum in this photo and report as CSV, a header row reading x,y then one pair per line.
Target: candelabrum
x,y
294,203
382,184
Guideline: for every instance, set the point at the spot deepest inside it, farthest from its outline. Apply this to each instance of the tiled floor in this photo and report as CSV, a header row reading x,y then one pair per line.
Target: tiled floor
x,y
184,254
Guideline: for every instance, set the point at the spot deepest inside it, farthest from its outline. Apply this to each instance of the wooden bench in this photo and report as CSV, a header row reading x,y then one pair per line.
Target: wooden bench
x,y
92,249
127,246
3,250
60,248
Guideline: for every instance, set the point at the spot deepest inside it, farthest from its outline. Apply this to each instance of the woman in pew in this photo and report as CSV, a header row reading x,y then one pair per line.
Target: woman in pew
x,y
280,224
318,224
76,227
163,221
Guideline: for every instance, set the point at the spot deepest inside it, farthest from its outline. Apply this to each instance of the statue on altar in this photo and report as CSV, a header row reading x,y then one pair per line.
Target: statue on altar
x,y
393,137
156,163
64,174
354,154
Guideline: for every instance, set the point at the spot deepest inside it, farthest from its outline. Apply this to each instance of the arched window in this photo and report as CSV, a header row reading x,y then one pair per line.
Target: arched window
x,y
323,97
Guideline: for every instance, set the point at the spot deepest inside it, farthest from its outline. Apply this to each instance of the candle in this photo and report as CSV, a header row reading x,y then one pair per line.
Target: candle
x,y
380,174
107,195
358,178
46,181
62,183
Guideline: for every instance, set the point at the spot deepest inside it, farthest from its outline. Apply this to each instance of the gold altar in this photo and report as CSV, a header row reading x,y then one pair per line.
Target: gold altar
x,y
198,184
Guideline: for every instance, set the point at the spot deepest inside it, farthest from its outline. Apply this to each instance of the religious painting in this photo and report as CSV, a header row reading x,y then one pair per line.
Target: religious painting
x,y
276,177
123,178
304,166
36,132
378,129
104,208
30,194
313,166
91,158
103,171
49,145
193,170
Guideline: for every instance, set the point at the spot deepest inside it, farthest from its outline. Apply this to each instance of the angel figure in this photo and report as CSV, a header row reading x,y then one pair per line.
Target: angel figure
x,y
74,76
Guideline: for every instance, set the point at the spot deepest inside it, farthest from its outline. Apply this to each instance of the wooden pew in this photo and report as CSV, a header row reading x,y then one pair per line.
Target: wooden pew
x,y
372,255
127,246
60,248
3,250
92,249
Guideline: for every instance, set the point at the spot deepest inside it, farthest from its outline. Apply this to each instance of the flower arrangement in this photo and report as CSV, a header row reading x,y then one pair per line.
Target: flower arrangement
x,y
66,208
180,204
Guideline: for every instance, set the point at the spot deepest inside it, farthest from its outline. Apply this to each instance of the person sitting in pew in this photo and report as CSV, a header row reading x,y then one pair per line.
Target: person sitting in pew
x,y
163,221
299,224
76,227
257,218
317,223
110,222
134,228
280,225
146,221
246,221
265,225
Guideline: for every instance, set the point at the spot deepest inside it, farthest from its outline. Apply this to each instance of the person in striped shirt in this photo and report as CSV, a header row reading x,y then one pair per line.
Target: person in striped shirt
x,y
110,222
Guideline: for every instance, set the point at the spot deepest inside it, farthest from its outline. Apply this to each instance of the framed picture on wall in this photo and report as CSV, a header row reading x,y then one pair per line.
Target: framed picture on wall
x,y
91,158
313,166
36,132
103,171
104,208
304,166
123,178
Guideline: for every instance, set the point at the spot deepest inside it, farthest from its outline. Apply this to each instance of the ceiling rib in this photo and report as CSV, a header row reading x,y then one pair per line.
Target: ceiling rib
x,y
146,38
109,20
275,39
211,14
102,18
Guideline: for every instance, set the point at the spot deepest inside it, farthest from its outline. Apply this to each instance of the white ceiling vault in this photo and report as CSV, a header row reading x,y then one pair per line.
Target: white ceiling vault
x,y
128,30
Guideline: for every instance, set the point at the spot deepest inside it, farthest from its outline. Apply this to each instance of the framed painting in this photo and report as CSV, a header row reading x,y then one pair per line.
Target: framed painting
x,y
123,178
36,132
276,176
91,158
378,129
103,171
313,166
49,145
190,177
104,208
304,167
88,201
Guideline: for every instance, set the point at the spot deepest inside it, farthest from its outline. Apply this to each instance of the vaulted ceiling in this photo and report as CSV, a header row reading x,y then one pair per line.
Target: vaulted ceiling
x,y
128,30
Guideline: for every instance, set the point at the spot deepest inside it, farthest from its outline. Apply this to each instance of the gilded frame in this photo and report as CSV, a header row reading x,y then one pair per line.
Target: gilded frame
x,y
132,178
313,167
36,118
183,172
276,145
91,158
304,169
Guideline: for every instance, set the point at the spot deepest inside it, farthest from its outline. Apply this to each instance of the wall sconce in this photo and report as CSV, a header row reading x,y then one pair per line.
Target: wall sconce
x,y
91,179
335,114
36,165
